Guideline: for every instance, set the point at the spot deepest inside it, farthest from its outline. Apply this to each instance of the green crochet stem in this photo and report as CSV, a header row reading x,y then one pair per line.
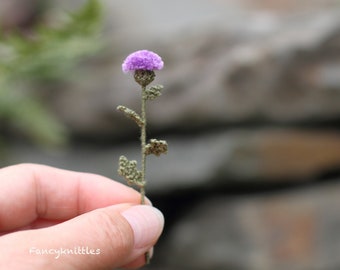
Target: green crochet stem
x,y
143,143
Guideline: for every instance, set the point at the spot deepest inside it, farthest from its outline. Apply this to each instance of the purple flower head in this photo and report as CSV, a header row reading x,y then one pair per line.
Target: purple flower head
x,y
142,60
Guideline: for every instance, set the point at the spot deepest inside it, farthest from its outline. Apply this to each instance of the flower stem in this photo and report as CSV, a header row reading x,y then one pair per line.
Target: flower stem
x,y
143,149
143,144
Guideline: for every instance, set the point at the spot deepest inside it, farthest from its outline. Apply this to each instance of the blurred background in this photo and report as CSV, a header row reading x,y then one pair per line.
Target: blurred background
x,y
250,110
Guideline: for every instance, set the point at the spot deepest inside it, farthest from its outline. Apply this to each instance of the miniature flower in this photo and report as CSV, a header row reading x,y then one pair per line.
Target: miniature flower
x,y
142,60
143,64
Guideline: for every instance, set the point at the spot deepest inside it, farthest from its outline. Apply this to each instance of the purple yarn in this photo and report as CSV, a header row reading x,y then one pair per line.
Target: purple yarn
x,y
142,60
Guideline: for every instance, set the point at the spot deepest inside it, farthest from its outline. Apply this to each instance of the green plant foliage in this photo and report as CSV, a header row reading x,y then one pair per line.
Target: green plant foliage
x,y
47,56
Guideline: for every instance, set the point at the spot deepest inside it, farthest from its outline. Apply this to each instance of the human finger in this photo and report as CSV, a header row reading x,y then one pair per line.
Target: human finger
x,y
31,192
105,238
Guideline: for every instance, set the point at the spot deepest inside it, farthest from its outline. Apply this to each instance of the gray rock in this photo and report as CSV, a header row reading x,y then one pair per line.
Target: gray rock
x,y
286,74
280,155
295,230
209,160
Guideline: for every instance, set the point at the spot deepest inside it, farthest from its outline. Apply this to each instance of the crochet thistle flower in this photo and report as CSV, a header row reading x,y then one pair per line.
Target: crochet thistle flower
x,y
142,60
143,63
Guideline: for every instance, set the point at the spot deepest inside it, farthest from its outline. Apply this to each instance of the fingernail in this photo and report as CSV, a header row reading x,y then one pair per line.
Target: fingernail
x,y
147,224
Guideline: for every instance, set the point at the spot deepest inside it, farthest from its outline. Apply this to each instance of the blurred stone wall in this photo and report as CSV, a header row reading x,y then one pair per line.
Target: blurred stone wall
x,y
251,112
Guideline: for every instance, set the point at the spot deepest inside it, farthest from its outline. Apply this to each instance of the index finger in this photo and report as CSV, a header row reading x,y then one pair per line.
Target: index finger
x,y
29,192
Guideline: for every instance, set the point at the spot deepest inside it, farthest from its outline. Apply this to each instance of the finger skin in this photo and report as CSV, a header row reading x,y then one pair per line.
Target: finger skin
x,y
34,196
105,231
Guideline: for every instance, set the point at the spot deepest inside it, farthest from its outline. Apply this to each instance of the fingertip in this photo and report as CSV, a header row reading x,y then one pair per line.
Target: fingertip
x,y
147,224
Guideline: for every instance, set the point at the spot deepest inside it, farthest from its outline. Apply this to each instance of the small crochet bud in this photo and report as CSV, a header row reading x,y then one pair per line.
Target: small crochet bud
x,y
156,147
128,169
154,91
131,114
144,77
143,63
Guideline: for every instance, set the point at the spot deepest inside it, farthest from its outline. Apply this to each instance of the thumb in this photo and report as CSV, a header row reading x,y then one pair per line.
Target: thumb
x,y
101,239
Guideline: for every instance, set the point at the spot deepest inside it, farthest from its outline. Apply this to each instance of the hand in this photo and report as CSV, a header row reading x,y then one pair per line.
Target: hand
x,y
56,219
